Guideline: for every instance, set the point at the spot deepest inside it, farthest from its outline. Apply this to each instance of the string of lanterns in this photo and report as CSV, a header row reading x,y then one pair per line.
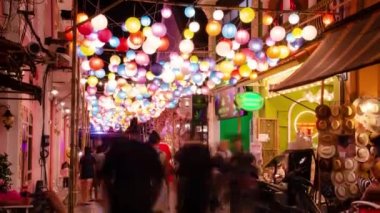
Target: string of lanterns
x,y
139,87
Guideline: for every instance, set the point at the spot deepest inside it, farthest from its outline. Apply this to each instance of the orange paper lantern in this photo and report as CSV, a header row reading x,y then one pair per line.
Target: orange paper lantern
x,y
213,28
273,52
239,58
96,63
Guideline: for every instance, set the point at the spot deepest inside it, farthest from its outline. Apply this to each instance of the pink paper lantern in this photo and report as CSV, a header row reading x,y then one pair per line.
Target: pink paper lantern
x,y
104,35
242,37
159,29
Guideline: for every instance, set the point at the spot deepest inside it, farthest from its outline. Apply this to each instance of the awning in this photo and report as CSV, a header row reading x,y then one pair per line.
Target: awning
x,y
350,45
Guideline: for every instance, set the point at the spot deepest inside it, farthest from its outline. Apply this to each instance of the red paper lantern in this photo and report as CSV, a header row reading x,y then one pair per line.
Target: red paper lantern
x,y
123,46
235,74
137,38
104,35
96,63
164,44
85,28
69,35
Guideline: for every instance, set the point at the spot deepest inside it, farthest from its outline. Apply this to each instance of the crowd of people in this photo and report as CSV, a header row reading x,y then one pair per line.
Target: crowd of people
x,y
142,177
130,175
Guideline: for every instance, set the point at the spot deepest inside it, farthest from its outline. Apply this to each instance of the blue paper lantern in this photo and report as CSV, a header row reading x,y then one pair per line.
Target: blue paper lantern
x,y
114,42
100,73
145,21
121,70
156,69
189,12
229,30
131,55
121,94
290,38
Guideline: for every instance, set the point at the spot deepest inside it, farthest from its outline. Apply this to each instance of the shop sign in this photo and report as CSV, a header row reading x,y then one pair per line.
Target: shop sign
x,y
249,101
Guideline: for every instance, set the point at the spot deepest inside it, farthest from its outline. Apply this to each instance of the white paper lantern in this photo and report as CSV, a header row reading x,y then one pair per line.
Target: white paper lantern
x,y
218,15
235,45
223,48
277,33
309,33
166,12
148,48
85,65
99,22
293,18
168,76
186,46
194,26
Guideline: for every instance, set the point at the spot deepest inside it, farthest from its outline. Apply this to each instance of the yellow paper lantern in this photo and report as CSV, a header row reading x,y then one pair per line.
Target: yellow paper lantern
x,y
226,76
213,28
179,76
267,19
239,59
273,52
284,51
111,76
92,81
297,32
188,34
246,15
226,66
149,76
194,59
87,50
82,17
244,71
133,24
253,75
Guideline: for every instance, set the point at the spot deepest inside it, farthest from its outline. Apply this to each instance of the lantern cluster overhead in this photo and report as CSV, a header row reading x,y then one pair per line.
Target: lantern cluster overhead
x,y
136,86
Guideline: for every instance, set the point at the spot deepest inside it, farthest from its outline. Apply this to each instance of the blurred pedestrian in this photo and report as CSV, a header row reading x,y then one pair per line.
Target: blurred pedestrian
x,y
99,158
224,151
194,178
132,174
87,173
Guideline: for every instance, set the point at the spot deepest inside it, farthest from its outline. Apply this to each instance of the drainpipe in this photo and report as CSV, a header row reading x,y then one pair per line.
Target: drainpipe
x,y
51,143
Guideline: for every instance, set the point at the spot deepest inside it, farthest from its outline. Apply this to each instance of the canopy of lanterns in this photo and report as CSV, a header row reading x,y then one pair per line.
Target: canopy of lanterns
x,y
136,86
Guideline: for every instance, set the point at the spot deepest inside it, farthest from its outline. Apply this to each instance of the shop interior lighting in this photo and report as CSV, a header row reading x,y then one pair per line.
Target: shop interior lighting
x,y
54,92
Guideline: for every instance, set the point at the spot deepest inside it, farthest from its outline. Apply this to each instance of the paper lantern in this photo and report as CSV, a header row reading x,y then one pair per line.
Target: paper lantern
x,y
290,37
91,90
229,30
123,46
99,22
232,81
194,26
104,35
159,29
130,55
164,44
115,59
218,15
252,64
269,41
189,12
145,21
226,67
148,48
85,28
81,17
246,15
253,76
166,12
156,69
186,46
242,37
194,59
239,59
223,48
100,73
114,41
87,50
249,101
85,65
92,81
244,71
327,19
293,18
137,38
309,33
235,74
133,24
168,76
235,45
96,63
69,35
213,28
277,33
273,52
284,51
132,45
255,44
267,19
111,76
297,32
188,34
